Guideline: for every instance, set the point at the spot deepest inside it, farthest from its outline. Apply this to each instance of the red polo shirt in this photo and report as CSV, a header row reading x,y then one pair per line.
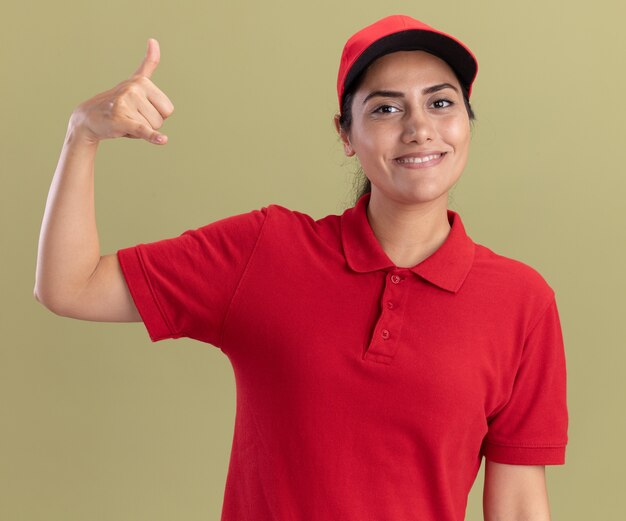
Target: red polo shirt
x,y
364,391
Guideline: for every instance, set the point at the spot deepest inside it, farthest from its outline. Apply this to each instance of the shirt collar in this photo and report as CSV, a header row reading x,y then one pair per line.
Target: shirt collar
x,y
447,267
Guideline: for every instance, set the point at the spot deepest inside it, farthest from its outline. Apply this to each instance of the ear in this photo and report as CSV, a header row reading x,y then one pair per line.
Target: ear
x,y
347,147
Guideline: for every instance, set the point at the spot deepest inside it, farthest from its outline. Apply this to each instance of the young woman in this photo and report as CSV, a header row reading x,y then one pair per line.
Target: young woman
x,y
378,354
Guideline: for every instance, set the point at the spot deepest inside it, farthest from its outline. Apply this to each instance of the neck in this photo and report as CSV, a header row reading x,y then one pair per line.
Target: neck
x,y
408,233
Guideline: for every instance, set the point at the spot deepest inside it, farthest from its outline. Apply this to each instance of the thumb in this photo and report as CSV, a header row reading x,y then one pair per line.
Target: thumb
x,y
151,60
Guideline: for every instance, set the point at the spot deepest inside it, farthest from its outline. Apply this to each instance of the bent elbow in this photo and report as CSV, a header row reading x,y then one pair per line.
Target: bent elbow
x,y
38,296
46,300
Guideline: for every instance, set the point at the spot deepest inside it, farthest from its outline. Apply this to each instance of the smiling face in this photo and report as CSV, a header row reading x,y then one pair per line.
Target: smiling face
x,y
410,129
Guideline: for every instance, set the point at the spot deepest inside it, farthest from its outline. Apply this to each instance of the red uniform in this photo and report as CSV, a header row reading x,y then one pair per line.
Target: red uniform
x,y
364,391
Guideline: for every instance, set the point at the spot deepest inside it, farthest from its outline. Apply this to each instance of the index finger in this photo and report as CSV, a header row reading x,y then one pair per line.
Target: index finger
x,y
151,60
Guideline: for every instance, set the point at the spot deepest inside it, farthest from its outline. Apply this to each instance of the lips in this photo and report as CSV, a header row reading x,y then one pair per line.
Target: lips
x,y
420,159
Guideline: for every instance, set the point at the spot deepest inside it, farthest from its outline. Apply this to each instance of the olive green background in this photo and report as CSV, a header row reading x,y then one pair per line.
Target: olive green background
x,y
99,423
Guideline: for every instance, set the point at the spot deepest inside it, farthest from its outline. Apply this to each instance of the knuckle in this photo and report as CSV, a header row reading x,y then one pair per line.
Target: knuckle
x,y
116,108
144,80
147,84
124,85
129,89
134,88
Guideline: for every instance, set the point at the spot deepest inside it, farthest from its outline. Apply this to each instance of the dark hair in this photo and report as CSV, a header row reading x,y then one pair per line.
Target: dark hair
x,y
362,183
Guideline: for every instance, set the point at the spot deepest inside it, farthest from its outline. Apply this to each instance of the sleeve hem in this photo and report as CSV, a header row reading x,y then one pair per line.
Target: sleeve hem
x,y
143,297
554,455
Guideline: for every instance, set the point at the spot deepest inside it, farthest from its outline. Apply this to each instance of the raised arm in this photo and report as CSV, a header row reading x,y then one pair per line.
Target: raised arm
x,y
72,278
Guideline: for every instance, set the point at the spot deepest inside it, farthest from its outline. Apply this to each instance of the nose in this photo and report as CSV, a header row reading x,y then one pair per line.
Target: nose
x,y
418,127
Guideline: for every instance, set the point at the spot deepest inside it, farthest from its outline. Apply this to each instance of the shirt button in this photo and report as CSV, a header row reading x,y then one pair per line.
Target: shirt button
x,y
390,305
395,279
385,334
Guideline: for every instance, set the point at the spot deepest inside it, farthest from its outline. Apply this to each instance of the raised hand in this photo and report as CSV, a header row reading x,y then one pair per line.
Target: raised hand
x,y
134,108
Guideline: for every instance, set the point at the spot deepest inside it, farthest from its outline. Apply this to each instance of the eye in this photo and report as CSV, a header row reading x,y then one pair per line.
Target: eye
x,y
385,109
439,104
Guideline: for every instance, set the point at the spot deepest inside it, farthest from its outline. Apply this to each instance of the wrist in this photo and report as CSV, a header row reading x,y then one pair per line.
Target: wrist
x,y
77,133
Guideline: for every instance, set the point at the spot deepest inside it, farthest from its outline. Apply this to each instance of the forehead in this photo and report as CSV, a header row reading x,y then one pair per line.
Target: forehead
x,y
407,66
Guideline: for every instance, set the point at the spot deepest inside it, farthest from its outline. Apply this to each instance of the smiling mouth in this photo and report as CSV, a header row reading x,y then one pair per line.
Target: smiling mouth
x,y
418,160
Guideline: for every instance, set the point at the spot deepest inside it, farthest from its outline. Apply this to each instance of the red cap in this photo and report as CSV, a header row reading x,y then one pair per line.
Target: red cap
x,y
403,33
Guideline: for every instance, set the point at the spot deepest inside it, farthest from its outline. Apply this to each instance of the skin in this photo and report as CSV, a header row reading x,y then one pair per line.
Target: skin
x,y
72,278
407,209
408,205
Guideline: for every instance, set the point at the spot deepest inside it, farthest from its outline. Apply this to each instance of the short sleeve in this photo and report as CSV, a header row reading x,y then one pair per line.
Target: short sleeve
x,y
183,286
531,429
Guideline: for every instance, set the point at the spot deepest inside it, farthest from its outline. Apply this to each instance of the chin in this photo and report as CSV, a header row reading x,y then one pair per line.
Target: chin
x,y
423,195
420,197
413,193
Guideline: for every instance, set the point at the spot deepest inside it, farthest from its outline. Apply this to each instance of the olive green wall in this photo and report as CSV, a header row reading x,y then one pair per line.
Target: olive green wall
x,y
99,423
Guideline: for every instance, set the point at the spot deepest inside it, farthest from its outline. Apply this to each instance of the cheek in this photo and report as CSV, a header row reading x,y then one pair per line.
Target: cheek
x,y
456,132
367,140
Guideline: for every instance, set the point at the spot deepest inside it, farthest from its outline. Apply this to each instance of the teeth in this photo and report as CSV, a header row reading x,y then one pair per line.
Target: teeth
x,y
418,159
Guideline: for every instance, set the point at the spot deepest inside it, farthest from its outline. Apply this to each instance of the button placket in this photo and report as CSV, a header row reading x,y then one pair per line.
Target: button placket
x,y
384,342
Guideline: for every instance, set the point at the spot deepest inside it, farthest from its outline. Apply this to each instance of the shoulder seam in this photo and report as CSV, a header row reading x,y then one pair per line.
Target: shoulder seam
x,y
243,273
551,300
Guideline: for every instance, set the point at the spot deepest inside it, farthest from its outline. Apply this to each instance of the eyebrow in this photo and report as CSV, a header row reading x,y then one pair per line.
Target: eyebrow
x,y
397,94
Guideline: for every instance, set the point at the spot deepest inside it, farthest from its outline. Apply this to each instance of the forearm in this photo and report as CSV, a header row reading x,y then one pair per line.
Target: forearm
x,y
69,247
